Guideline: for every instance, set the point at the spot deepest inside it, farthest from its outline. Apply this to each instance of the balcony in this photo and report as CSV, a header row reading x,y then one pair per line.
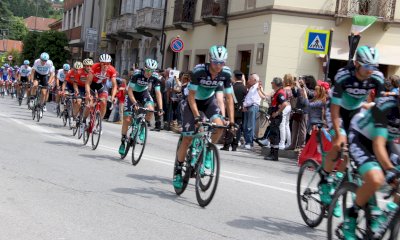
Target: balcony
x,y
126,26
111,27
184,14
214,11
149,21
383,9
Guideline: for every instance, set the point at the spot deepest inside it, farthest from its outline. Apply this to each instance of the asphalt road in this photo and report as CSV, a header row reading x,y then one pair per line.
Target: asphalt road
x,y
52,187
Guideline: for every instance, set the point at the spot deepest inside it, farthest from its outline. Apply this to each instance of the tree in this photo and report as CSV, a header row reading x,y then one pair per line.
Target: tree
x,y
52,42
17,28
27,8
30,50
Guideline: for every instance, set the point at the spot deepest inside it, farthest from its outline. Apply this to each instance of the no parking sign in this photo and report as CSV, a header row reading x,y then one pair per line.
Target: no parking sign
x,y
177,45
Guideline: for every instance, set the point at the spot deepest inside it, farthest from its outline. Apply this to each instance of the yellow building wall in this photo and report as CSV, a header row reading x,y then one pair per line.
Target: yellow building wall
x,y
244,32
318,5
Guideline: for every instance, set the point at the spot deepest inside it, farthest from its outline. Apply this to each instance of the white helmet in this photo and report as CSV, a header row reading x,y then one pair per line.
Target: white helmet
x,y
105,58
218,53
88,62
151,64
78,65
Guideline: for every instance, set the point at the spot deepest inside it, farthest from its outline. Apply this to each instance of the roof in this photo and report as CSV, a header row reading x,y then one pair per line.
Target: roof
x,y
7,45
57,25
42,24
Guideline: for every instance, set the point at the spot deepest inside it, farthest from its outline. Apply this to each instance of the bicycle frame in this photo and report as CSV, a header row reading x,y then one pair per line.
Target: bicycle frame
x,y
93,108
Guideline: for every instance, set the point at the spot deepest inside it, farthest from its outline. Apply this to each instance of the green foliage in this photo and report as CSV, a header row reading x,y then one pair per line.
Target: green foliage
x,y
52,42
27,8
17,58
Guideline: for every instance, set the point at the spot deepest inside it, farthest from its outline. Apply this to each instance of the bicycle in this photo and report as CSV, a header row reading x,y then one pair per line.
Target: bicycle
x,y
312,209
78,120
12,90
66,114
137,136
193,166
389,229
37,108
95,126
22,92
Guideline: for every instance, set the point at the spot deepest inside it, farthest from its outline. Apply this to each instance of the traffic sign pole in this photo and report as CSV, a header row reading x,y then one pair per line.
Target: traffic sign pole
x,y
328,61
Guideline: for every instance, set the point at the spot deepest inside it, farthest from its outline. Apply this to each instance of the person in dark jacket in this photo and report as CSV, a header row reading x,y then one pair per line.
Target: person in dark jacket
x,y
240,91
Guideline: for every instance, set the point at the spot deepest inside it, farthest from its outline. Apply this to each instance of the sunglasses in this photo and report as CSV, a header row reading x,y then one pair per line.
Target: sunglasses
x,y
148,70
106,64
217,62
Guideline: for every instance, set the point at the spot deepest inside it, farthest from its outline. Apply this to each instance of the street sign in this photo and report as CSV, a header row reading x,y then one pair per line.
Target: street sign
x,y
177,45
317,41
91,40
10,58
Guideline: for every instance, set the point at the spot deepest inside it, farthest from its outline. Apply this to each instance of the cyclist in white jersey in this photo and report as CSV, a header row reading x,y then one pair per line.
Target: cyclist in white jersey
x,y
60,78
41,70
23,76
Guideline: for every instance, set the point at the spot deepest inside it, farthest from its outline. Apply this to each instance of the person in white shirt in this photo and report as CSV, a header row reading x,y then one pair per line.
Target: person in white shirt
x,y
42,70
251,107
23,77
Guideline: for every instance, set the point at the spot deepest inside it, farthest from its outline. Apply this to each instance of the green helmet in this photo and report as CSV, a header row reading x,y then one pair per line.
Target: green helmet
x,y
368,57
218,53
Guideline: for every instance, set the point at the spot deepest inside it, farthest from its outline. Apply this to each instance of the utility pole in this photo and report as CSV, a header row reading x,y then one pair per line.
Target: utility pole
x,y
37,9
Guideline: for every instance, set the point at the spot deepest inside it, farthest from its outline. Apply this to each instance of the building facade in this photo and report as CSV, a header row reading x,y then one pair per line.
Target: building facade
x,y
79,16
267,36
133,32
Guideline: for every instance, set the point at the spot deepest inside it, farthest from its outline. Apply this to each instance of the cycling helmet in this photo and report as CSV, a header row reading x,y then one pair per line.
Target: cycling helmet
x,y
368,57
88,62
16,67
66,67
44,56
218,53
105,58
6,65
151,64
78,65
26,62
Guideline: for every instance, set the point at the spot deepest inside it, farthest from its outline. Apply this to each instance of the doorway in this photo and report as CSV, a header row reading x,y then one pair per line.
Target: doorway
x,y
185,65
245,58
200,59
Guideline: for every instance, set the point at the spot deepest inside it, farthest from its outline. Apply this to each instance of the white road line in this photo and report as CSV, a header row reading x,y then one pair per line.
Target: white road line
x,y
149,157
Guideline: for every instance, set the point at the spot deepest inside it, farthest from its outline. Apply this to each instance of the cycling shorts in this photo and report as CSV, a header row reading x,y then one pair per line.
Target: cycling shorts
x,y
143,98
208,106
345,115
100,88
24,79
42,79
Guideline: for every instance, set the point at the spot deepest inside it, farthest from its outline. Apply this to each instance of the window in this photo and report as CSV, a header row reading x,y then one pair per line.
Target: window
x,y
185,65
250,4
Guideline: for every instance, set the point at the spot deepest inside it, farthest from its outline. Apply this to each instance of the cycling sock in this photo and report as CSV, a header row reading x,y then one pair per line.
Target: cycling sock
x,y
123,138
353,211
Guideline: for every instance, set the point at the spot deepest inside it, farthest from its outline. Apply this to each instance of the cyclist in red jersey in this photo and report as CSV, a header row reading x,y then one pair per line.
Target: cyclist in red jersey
x,y
96,81
71,80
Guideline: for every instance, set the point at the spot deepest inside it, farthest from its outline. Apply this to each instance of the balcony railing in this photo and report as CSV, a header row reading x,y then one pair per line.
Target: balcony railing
x,y
184,13
150,18
214,11
384,9
112,26
127,23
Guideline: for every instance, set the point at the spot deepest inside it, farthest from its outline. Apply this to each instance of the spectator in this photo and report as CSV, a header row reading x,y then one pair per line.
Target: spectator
x,y
239,94
164,89
251,106
316,109
275,110
284,127
395,80
299,116
173,98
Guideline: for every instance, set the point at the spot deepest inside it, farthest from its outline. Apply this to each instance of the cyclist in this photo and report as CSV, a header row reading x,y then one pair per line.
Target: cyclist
x,y
2,69
96,81
80,83
14,72
350,91
41,70
6,75
71,78
138,93
207,80
23,77
60,78
371,134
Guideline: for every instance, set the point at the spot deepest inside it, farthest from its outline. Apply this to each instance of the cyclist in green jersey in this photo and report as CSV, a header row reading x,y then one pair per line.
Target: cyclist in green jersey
x,y
207,83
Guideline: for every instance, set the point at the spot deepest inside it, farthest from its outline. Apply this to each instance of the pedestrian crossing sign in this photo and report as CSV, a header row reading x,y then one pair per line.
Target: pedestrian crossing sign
x,y
317,41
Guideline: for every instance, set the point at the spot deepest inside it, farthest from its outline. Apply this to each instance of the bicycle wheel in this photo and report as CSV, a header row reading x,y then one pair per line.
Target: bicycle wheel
x,y
96,132
58,110
186,170
308,199
262,119
128,142
395,229
345,196
69,117
33,113
139,143
64,118
75,129
207,179
38,111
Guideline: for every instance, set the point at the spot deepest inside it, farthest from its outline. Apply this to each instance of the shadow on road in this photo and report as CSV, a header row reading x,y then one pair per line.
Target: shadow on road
x,y
100,157
64,143
276,226
50,125
151,179
149,193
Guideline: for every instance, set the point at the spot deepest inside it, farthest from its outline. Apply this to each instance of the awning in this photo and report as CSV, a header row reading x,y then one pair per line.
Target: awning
x,y
389,54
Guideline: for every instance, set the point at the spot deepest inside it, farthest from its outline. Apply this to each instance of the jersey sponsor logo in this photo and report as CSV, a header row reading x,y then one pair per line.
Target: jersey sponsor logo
x,y
357,91
209,82
43,68
142,82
